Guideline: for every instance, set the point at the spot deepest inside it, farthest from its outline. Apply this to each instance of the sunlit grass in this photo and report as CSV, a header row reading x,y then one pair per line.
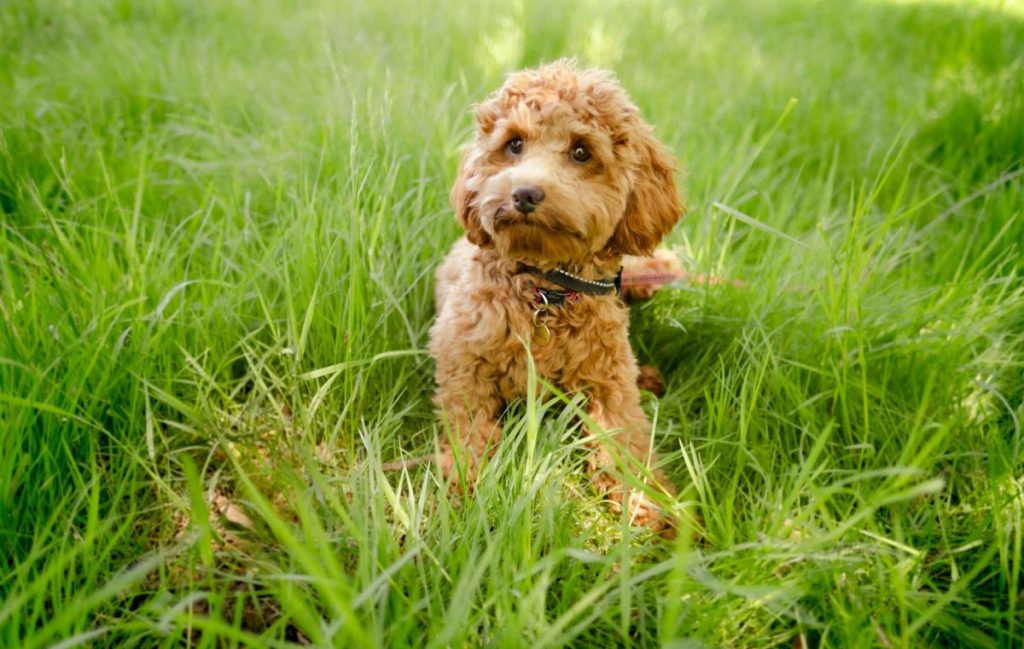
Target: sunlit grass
x,y
218,227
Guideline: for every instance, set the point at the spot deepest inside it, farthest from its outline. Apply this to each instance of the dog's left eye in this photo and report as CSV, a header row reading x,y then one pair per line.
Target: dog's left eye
x,y
579,153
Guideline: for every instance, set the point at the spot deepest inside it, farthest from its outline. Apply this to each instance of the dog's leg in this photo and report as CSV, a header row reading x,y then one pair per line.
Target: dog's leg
x,y
469,406
650,380
622,460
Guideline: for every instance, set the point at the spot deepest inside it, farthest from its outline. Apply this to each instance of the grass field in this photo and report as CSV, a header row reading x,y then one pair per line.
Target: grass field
x,y
218,226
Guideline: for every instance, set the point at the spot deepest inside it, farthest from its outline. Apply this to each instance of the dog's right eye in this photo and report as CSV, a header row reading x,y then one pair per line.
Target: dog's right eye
x,y
514,146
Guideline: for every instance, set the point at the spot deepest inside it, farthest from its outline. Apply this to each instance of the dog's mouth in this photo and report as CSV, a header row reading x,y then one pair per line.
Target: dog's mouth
x,y
508,217
505,216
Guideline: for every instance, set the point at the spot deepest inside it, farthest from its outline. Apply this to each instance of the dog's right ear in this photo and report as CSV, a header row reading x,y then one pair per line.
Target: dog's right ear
x,y
462,199
463,194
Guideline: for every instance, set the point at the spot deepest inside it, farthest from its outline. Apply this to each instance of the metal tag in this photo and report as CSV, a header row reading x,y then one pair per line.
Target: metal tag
x,y
541,333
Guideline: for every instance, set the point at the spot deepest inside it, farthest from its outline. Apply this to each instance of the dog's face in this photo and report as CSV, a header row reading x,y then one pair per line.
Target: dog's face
x,y
563,168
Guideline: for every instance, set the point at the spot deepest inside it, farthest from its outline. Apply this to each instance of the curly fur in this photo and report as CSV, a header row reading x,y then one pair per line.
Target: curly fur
x,y
622,201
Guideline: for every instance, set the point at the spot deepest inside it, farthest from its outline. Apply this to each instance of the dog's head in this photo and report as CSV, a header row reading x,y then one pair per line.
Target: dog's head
x,y
563,168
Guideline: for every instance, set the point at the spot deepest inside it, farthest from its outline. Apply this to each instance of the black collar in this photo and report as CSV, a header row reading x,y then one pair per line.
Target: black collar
x,y
574,284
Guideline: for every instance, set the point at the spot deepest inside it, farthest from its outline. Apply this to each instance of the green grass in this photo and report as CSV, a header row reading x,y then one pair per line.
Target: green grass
x,y
218,225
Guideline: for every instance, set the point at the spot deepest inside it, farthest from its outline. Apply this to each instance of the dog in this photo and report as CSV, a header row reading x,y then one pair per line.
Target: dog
x,y
563,180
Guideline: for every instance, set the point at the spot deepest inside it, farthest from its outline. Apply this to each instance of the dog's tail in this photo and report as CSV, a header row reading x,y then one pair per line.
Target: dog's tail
x,y
642,277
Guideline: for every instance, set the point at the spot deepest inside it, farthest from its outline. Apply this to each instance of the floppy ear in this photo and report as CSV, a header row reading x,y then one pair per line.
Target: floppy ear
x,y
653,206
462,197
462,201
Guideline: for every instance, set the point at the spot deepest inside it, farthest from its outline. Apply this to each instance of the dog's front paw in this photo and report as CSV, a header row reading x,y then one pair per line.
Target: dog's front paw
x,y
459,472
645,512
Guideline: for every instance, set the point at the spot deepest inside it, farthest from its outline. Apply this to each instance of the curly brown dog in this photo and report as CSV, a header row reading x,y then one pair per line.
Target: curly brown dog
x,y
562,181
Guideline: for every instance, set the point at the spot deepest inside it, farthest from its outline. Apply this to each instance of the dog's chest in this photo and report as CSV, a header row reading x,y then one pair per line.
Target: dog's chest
x,y
566,342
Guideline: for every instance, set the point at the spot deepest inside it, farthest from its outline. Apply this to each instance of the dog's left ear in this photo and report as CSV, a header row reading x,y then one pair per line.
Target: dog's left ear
x,y
653,206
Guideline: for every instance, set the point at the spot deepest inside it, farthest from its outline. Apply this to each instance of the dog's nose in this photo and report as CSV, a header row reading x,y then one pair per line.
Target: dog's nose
x,y
527,197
